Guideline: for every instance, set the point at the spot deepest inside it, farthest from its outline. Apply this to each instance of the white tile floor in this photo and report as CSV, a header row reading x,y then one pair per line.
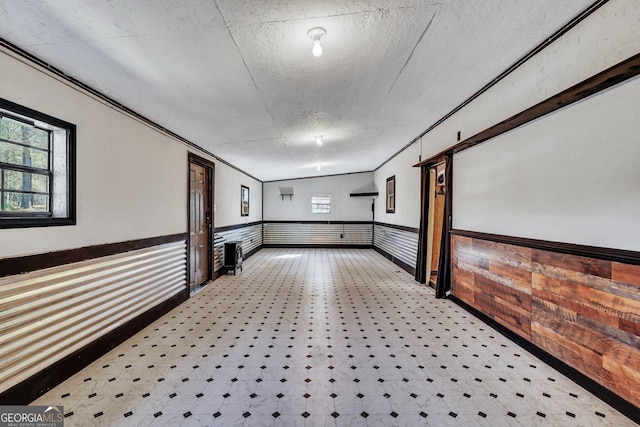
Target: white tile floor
x,y
322,338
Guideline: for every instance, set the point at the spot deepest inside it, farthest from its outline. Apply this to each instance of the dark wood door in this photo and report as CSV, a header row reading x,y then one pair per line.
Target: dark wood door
x,y
199,226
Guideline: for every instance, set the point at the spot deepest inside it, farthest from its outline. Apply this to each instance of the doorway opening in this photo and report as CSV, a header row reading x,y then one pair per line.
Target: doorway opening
x,y
200,218
437,191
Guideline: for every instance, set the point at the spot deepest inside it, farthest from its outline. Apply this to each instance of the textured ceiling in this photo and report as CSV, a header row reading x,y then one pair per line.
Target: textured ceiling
x,y
237,77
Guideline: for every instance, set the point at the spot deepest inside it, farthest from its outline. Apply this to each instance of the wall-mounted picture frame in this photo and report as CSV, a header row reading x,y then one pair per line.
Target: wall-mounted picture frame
x,y
391,194
244,200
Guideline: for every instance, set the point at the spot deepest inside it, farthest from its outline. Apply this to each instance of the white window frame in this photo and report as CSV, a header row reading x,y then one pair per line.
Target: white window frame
x,y
321,204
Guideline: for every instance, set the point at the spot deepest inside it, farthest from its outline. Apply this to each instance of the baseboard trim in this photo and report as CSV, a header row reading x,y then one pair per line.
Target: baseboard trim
x,y
406,267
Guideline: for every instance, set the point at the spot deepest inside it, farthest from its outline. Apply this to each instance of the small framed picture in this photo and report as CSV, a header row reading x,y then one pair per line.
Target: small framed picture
x,y
391,194
244,200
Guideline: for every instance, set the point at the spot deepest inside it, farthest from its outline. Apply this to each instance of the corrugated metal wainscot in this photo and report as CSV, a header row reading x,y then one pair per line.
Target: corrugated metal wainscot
x,y
318,233
250,236
48,314
398,243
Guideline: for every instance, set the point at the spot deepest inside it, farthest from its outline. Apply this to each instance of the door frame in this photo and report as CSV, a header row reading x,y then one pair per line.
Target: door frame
x,y
435,213
210,170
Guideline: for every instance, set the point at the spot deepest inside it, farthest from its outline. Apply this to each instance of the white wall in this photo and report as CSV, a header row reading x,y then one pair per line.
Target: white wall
x,y
407,211
553,179
343,207
572,176
227,197
605,38
131,179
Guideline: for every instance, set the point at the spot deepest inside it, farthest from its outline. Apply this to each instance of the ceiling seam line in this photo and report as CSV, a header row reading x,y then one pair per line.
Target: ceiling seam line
x,y
246,66
533,52
336,15
406,63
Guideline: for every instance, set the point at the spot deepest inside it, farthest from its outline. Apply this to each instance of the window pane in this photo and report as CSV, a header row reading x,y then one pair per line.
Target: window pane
x,y
15,202
23,133
37,174
10,130
22,181
40,159
321,204
23,156
11,153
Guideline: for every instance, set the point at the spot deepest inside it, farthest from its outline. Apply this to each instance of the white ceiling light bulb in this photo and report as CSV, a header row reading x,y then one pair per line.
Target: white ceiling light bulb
x,y
317,48
316,34
319,140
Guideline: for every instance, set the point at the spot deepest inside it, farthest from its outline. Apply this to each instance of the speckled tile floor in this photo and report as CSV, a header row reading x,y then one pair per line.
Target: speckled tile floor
x,y
315,337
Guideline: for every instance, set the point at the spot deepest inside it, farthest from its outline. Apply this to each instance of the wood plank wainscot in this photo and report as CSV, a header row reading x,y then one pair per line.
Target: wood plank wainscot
x,y
583,311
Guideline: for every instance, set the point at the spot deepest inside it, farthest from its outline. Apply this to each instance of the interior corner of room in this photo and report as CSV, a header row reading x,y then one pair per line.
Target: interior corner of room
x,y
138,168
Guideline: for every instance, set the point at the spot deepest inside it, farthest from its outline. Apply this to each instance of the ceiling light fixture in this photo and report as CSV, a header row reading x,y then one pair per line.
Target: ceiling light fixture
x,y
319,140
316,34
318,167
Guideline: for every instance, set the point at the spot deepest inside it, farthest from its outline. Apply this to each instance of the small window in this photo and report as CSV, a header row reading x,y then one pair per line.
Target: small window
x,y
36,168
321,204
391,194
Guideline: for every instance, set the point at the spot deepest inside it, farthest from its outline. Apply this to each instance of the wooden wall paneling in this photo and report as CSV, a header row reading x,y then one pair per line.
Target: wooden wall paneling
x,y
626,273
521,277
463,285
548,289
594,340
626,378
578,357
515,318
492,283
584,311
516,256
573,263
512,296
583,303
629,326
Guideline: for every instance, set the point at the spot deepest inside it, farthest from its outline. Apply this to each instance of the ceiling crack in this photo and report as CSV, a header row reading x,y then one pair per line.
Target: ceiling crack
x,y
334,15
246,66
406,63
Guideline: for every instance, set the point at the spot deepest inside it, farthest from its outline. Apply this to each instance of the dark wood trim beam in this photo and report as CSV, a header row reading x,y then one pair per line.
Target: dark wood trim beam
x,y
235,227
24,264
608,254
619,73
369,194
398,227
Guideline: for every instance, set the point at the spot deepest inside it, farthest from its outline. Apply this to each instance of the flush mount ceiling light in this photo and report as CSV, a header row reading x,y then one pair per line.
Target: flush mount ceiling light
x,y
319,140
316,34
